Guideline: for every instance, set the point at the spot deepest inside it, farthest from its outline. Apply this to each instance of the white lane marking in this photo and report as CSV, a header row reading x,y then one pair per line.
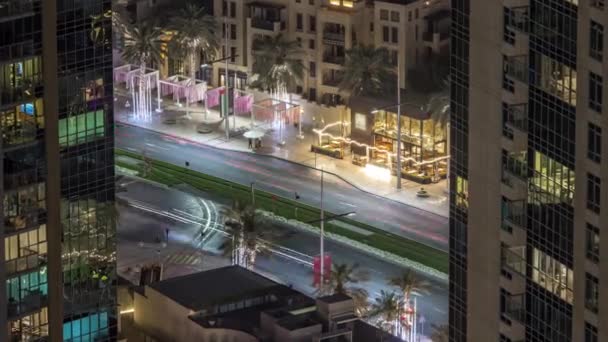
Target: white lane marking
x,y
157,146
348,204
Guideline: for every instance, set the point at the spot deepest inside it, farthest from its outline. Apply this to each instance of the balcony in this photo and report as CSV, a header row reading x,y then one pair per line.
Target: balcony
x,y
333,59
13,9
517,117
515,171
267,25
266,16
515,30
514,213
333,37
516,67
514,259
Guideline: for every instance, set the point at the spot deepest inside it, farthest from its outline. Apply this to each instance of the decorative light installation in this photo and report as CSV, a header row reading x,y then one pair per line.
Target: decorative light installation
x,y
321,133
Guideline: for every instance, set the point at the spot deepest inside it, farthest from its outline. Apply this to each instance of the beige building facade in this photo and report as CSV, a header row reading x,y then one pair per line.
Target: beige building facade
x,y
529,173
326,29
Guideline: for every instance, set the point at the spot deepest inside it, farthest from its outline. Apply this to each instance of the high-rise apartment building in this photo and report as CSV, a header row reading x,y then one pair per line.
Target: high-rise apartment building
x,y
528,185
57,259
325,29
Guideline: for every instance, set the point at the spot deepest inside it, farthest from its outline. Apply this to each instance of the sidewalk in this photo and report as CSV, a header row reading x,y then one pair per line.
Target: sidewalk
x,y
295,150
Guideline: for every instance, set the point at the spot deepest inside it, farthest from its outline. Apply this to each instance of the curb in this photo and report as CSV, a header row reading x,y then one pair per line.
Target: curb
x,y
370,250
282,159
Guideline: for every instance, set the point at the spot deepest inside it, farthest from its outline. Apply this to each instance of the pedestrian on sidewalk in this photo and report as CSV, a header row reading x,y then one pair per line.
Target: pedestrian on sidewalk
x,y
250,143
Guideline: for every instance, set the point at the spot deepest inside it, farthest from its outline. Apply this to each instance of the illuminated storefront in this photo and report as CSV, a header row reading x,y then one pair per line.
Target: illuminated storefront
x,y
374,141
423,145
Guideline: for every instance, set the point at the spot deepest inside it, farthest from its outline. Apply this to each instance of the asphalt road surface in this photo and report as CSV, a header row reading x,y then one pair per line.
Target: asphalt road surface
x,y
152,210
284,178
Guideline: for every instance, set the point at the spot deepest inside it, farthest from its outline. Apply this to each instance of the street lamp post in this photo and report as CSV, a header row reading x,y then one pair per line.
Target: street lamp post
x,y
322,220
398,123
226,79
322,239
398,105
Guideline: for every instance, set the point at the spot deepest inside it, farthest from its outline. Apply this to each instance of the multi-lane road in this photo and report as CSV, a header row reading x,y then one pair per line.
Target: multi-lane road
x,y
284,178
153,209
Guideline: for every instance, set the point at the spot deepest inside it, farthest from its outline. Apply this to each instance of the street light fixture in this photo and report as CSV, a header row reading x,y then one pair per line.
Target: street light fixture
x,y
322,220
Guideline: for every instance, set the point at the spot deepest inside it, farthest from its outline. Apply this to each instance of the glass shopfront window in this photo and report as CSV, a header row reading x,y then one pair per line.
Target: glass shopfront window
x,y
422,141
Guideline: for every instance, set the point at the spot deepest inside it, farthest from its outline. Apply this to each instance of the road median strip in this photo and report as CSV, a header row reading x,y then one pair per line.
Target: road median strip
x,y
172,175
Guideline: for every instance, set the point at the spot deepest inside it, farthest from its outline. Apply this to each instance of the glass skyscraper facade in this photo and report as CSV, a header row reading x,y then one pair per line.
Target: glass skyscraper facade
x,y
528,171
58,226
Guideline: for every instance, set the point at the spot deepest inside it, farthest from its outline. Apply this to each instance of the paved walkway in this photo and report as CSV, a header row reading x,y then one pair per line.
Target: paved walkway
x,y
295,149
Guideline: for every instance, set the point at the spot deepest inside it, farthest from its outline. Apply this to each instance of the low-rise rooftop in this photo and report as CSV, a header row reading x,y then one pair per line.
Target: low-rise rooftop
x,y
200,290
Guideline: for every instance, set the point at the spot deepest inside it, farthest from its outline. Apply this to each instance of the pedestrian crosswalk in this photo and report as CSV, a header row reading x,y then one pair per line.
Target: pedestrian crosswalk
x,y
191,259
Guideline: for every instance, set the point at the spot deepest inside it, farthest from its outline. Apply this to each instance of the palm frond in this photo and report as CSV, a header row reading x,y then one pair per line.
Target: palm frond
x,y
143,44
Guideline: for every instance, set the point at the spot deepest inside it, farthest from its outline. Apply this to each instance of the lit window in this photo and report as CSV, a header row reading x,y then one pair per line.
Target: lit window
x,y
556,78
553,178
81,128
552,275
462,192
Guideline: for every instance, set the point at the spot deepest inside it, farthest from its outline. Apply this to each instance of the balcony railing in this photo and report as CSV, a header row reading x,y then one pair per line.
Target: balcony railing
x,y
514,168
264,24
514,212
517,116
331,81
516,67
514,259
516,308
333,59
334,36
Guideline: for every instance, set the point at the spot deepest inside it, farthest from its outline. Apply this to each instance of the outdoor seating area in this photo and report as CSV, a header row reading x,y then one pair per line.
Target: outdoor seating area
x,y
329,147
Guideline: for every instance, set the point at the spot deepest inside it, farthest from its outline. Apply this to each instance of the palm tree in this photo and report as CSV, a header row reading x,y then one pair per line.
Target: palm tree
x,y
408,282
387,309
277,65
439,105
341,280
366,71
440,333
249,236
143,45
196,36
